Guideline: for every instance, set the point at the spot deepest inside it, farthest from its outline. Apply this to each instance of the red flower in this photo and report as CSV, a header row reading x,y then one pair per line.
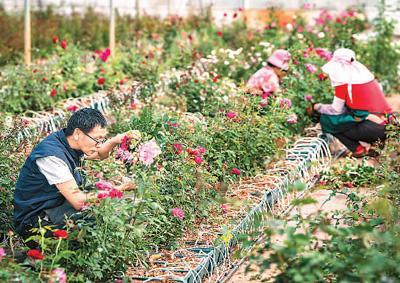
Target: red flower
x,y
201,150
63,44
44,79
60,234
178,148
198,160
72,108
196,81
322,76
235,171
35,254
55,39
219,33
34,70
190,37
348,184
192,152
101,81
225,14
235,15
215,80
121,82
114,193
53,92
230,114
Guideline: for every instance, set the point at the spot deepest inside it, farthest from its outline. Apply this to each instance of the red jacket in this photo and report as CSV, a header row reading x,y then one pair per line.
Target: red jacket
x,y
368,96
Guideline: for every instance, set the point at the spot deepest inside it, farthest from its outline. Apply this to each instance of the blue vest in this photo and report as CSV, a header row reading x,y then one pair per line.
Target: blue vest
x,y
33,194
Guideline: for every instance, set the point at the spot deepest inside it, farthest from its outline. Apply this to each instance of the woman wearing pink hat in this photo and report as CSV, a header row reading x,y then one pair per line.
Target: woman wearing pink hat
x,y
358,113
267,78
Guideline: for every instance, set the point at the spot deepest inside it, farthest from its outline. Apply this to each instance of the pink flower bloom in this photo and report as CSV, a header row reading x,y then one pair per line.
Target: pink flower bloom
x,y
148,151
201,150
178,148
324,53
173,125
224,208
198,160
114,193
308,97
285,103
323,182
105,54
307,6
102,195
265,95
193,152
235,171
2,253
124,155
230,114
72,108
292,119
58,275
178,213
104,185
311,68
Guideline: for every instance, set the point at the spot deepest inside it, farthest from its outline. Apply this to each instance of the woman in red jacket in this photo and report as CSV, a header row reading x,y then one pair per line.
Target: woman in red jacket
x,y
359,111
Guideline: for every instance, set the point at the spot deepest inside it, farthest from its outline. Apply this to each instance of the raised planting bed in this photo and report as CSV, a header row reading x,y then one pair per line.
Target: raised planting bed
x,y
208,245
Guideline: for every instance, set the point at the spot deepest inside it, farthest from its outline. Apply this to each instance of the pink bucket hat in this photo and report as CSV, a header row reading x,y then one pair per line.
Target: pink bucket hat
x,y
344,69
280,58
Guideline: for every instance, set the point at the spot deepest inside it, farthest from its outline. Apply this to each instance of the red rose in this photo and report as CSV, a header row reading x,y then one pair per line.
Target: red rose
x,y
72,108
198,160
35,254
53,92
60,234
235,171
121,82
190,37
235,15
63,44
55,39
101,81
322,76
178,148
219,33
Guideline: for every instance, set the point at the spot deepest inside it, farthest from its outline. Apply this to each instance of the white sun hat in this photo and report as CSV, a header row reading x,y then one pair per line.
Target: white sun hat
x,y
343,68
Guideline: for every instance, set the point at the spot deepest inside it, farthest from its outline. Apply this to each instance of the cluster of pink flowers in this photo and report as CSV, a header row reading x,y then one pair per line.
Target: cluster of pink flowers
x,y
108,190
124,155
224,208
178,148
178,213
292,119
103,55
324,53
123,152
311,68
236,171
58,275
148,151
230,115
2,253
285,103
197,154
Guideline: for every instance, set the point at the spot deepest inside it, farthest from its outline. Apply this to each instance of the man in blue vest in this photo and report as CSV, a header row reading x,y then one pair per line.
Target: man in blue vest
x,y
49,181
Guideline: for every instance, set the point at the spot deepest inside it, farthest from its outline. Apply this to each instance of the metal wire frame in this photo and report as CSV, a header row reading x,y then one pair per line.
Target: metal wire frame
x,y
303,163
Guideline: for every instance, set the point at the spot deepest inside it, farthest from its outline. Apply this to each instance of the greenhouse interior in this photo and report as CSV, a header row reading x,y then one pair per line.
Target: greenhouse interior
x,y
199,141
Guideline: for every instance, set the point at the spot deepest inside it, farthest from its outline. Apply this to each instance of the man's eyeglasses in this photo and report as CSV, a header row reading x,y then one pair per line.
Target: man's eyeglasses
x,y
95,140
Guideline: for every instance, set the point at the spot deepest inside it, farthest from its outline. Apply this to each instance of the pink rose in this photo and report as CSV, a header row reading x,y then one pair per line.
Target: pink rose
x,y
104,185
178,148
235,171
198,160
311,68
308,97
230,114
224,208
292,119
178,213
285,103
148,151
2,253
